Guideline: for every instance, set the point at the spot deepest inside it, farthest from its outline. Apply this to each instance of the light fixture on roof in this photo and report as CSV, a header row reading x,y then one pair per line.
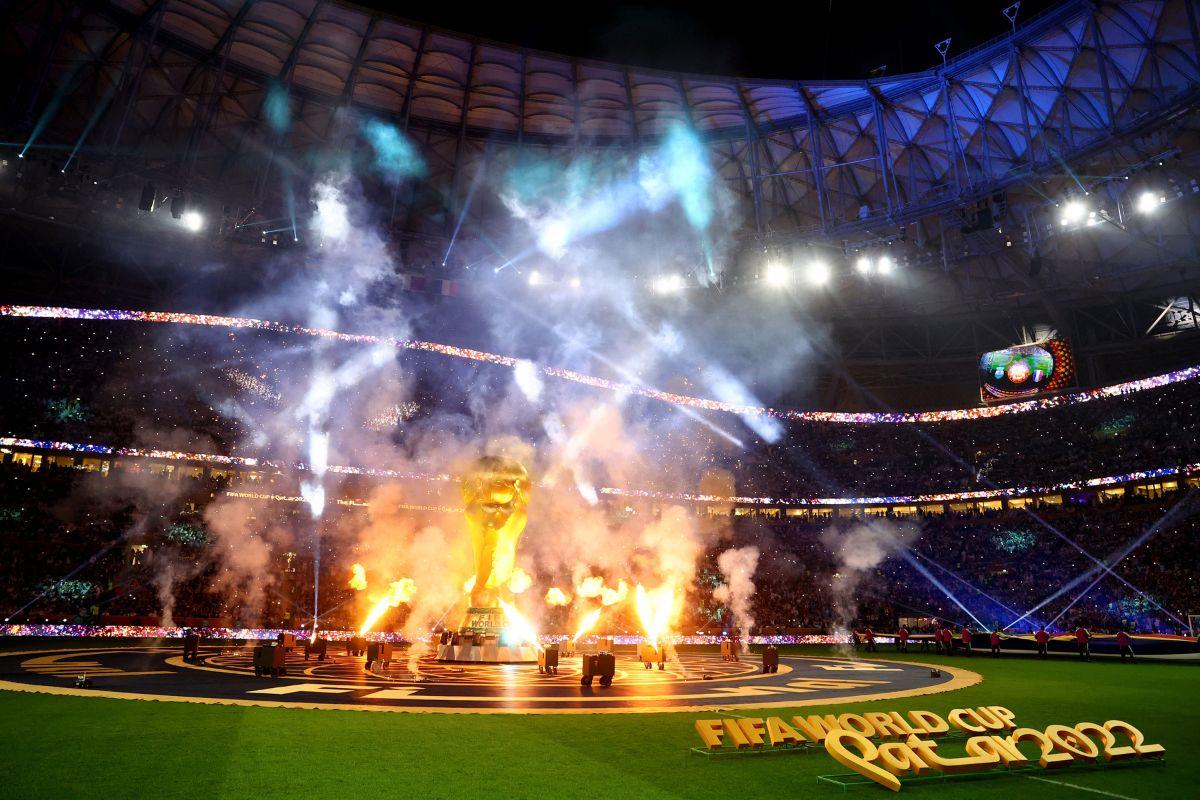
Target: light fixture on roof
x,y
777,274
192,220
667,284
1073,212
1148,202
817,273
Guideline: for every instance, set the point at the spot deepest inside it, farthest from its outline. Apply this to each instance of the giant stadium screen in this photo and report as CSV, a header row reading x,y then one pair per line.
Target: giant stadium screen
x,y
1025,371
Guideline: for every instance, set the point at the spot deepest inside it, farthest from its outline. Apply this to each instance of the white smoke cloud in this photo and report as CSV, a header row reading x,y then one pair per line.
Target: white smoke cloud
x,y
738,565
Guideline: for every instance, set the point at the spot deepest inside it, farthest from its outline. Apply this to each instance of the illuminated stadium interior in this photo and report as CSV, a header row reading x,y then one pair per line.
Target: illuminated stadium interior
x,y
357,362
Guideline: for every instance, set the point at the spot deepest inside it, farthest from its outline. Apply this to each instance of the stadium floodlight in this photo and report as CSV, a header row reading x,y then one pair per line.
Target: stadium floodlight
x,y
667,284
1073,212
864,265
575,282
193,221
1148,202
777,274
884,265
817,273
535,278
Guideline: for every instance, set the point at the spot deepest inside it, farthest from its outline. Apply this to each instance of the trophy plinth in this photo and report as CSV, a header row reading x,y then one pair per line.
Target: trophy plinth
x,y
483,621
480,640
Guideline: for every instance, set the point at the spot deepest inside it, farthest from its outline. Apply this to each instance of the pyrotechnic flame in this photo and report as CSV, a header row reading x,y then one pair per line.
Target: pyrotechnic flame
x,y
358,581
400,591
519,581
519,628
610,595
557,597
468,585
655,610
587,623
590,587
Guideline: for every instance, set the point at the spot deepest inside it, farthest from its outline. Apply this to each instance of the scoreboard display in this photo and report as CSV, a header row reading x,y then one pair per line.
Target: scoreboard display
x,y
1026,371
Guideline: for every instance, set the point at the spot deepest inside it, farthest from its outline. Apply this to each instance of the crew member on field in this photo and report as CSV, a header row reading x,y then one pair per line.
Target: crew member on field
x,y
902,639
870,635
994,641
1124,644
1082,637
965,636
1042,638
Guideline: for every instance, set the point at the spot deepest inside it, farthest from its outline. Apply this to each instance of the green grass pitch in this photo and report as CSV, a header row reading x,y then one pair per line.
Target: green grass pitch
x,y
72,747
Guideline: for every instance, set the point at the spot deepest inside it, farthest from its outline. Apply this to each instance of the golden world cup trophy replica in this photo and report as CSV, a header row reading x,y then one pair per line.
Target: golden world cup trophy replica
x,y
496,495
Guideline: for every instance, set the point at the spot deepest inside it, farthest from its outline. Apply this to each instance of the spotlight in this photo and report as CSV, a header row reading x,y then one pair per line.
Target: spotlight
x,y
667,284
1148,202
576,283
817,273
535,278
884,266
1073,212
777,275
193,221
864,265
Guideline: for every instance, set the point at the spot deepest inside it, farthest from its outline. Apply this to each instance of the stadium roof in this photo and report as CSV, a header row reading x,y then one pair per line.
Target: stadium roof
x,y
808,155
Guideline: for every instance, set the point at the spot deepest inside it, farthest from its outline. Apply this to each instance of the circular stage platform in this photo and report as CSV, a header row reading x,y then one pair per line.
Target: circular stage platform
x,y
699,681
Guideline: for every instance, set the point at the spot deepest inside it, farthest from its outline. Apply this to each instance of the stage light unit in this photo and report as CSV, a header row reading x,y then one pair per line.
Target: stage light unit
x,y
667,284
817,273
1073,212
777,274
535,278
1148,202
864,265
885,265
192,220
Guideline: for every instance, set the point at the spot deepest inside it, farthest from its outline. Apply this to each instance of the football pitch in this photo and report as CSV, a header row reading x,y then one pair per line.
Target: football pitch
x,y
66,746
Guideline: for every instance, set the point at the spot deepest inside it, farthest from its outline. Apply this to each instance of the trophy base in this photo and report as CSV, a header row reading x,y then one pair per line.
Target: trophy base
x,y
479,641
483,622
487,653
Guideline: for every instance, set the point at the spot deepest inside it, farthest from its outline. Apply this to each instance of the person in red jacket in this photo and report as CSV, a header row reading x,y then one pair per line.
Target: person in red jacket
x,y
965,637
870,636
994,641
948,640
902,639
1082,637
1042,638
1124,644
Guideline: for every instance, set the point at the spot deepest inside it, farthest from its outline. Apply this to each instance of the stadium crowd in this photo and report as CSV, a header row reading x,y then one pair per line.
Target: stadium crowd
x,y
76,557
79,551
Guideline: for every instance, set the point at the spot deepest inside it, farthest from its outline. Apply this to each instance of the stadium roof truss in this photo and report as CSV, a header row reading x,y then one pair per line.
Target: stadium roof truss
x,y
185,86
805,154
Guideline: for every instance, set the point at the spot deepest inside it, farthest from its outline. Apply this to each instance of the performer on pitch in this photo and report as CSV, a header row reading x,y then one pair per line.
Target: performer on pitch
x,y
994,641
1124,644
965,637
902,639
1042,638
1082,637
